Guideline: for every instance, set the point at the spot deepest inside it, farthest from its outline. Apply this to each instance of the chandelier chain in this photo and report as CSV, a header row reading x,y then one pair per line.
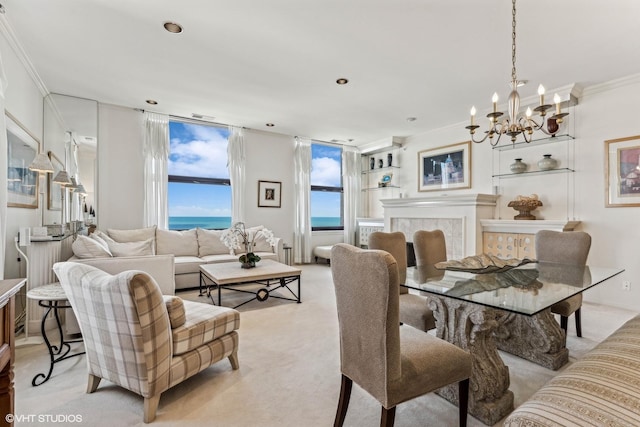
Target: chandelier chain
x,y
513,41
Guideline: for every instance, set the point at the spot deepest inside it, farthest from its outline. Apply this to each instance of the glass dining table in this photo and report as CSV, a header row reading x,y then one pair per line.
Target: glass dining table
x,y
510,310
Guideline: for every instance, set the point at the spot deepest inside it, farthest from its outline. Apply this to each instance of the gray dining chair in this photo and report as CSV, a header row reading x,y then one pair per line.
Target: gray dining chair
x,y
566,247
392,363
414,310
430,247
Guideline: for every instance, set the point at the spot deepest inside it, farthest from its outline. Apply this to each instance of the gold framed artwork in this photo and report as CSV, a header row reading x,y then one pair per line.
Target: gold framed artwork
x,y
269,194
22,183
445,168
54,190
622,172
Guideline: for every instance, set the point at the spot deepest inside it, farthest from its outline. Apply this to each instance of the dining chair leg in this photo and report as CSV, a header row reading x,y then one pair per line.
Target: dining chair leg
x,y
388,417
563,323
343,403
578,323
463,401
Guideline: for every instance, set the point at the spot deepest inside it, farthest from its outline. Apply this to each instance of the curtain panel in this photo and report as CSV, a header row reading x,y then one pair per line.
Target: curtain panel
x,y
302,227
236,163
3,175
351,191
156,155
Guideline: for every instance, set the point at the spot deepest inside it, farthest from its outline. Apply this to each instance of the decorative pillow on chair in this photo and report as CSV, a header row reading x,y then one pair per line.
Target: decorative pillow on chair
x,y
85,247
175,308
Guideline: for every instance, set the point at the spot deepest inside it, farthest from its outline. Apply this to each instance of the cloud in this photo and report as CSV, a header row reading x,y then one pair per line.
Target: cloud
x,y
326,171
199,151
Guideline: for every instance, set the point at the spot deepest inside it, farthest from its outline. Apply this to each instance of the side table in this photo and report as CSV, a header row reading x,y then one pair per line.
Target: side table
x,y
52,298
288,252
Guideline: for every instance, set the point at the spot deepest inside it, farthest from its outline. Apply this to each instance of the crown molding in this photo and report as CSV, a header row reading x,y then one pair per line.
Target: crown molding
x,y
611,84
16,46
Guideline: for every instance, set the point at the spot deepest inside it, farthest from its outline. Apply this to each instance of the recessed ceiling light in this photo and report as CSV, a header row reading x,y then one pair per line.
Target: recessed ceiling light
x,y
270,125
342,81
151,102
172,27
412,119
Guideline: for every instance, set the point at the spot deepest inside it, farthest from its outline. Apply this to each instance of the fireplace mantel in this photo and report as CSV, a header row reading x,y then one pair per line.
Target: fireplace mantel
x,y
458,216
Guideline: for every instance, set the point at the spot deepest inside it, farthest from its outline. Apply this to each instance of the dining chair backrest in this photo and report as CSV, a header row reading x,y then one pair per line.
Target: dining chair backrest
x,y
367,299
564,247
430,247
396,244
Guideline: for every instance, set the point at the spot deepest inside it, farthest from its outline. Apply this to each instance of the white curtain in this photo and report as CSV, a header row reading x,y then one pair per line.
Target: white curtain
x,y
156,155
3,175
302,231
351,188
236,162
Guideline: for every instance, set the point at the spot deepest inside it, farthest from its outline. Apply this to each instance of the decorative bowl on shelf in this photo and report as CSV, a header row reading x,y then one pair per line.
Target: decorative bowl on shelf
x,y
524,205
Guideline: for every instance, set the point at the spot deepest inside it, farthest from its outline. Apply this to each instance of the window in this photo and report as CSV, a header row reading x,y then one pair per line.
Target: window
x,y
199,190
326,187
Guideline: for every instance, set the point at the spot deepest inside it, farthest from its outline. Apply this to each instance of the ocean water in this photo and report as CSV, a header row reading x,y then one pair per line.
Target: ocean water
x,y
221,222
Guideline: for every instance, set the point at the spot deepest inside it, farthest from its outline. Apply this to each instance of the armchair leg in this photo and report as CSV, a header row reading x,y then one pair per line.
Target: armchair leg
x,y
233,358
343,403
150,407
92,384
388,417
463,401
578,323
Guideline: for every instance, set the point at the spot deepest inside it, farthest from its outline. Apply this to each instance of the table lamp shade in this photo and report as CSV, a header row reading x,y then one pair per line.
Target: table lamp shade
x,y
41,164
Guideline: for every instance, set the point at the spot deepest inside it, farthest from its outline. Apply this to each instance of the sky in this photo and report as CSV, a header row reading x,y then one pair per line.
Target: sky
x,y
201,151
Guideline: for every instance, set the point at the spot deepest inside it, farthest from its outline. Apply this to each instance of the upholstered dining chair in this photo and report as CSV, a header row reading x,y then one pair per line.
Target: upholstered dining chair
x,y
141,340
393,363
430,247
414,310
570,247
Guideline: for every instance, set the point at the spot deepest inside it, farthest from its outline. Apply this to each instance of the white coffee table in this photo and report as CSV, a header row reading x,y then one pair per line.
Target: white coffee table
x,y
230,275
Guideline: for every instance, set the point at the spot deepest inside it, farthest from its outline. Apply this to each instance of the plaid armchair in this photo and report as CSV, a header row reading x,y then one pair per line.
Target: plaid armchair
x,y
141,340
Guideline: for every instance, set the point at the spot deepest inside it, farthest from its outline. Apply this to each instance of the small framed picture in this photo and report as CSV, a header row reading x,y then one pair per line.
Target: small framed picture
x,y
622,172
269,194
445,168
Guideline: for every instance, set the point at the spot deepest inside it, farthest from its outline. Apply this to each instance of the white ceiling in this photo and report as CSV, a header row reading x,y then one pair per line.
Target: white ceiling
x,y
252,62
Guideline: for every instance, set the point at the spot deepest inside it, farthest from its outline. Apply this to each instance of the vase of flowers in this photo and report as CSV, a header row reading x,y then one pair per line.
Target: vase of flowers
x,y
238,237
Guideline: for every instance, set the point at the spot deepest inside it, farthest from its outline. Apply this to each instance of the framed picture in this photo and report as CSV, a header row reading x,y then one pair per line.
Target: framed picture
x,y
269,194
54,202
445,168
22,183
622,172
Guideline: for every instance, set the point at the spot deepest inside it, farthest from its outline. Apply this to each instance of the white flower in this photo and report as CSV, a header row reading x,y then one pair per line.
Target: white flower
x,y
237,236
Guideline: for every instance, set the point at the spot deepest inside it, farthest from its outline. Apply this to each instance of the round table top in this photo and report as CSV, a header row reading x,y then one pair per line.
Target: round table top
x,y
49,292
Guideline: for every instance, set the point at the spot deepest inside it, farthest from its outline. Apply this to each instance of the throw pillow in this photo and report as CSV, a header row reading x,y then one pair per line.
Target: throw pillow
x,y
209,242
144,247
135,235
175,308
178,243
260,243
85,247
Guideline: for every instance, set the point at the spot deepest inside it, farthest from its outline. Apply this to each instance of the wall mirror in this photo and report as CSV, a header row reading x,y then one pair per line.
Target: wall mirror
x,y
71,139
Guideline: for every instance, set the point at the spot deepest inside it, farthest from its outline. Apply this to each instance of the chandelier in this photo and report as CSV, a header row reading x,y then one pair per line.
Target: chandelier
x,y
516,124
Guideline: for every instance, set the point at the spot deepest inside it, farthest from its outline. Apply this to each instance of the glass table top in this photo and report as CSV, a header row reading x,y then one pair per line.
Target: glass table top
x,y
527,289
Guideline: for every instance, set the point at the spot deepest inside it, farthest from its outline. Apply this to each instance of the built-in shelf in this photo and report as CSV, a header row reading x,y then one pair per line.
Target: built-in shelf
x,y
536,142
386,168
538,172
380,188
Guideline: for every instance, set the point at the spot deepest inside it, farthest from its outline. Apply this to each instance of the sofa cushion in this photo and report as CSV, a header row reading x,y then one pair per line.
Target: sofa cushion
x,y
144,247
187,264
209,243
85,247
178,243
204,323
175,308
213,259
135,235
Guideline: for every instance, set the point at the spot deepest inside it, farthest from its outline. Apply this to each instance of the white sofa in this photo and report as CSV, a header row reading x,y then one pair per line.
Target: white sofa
x,y
171,257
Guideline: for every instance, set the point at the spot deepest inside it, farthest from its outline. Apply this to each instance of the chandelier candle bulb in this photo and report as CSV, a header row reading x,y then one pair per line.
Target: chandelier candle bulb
x,y
473,115
557,100
541,93
494,99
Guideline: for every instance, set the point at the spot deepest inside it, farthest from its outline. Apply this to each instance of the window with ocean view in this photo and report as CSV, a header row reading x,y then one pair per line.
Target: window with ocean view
x,y
326,187
199,190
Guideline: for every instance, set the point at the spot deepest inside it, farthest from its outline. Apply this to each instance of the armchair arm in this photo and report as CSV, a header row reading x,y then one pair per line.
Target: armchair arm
x,y
278,249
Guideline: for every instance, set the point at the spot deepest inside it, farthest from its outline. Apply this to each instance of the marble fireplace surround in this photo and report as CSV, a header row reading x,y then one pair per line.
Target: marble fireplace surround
x,y
458,216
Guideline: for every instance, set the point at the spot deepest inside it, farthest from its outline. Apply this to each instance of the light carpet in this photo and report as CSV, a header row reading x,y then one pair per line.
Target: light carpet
x,y
289,375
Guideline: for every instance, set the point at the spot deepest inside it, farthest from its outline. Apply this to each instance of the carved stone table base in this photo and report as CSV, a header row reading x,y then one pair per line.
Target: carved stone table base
x,y
471,327
536,338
